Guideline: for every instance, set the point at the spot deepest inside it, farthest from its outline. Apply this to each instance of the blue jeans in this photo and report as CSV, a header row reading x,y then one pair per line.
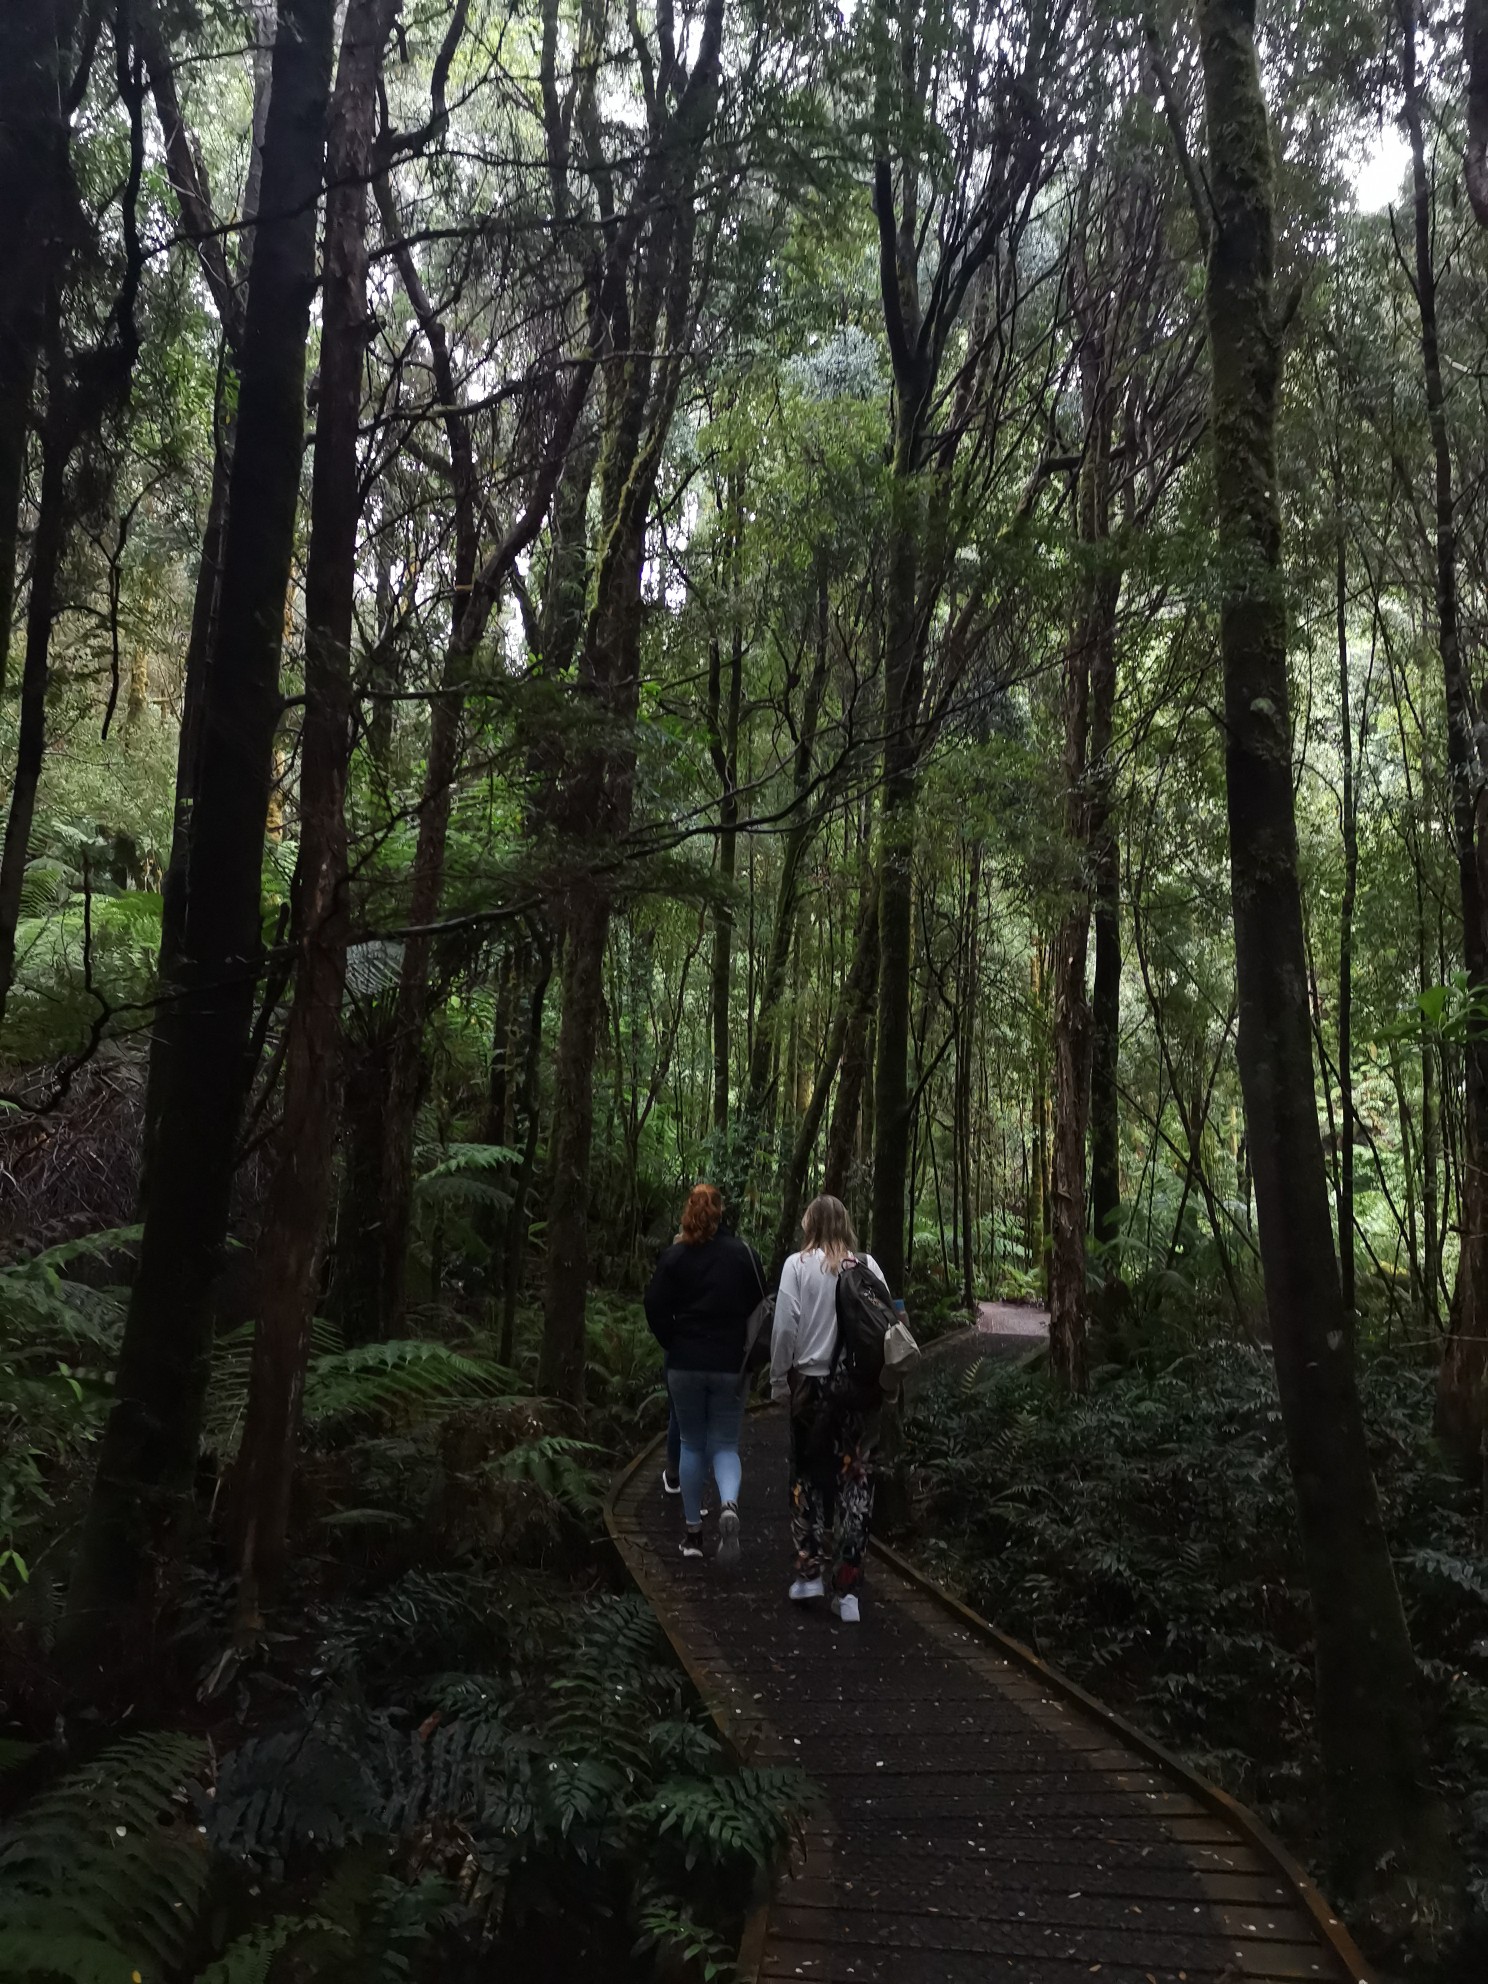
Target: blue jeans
x,y
710,1411
674,1431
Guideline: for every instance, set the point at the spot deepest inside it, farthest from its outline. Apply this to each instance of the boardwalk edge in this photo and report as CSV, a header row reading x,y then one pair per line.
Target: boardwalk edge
x,y
1330,1927
751,1956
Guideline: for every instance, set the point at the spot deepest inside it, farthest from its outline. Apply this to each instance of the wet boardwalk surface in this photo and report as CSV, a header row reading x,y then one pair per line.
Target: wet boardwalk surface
x,y
975,1823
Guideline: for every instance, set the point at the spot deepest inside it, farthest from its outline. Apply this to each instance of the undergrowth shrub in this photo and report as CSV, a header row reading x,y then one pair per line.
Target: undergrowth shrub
x,y
58,1338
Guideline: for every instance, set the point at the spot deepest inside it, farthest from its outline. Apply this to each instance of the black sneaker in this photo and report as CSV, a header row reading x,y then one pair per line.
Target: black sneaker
x,y
671,1487
692,1544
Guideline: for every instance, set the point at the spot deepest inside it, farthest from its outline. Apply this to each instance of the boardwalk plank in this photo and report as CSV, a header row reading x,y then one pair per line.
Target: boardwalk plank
x,y
976,1820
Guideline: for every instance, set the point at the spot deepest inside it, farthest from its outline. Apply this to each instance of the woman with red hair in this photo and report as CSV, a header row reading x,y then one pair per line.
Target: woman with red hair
x,y
701,1295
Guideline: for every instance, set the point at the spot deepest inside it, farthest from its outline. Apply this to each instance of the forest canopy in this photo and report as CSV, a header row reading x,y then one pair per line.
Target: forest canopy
x,y
885,600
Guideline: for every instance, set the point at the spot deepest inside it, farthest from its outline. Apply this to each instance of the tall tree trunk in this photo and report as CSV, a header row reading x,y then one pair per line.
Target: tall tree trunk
x,y
903,667
1462,1392
1345,912
1067,1169
854,1004
855,1078
1038,1211
1382,1814
723,743
594,813
476,589
1105,1001
519,1213
41,608
965,1051
593,808
1089,697
141,1494
1475,163
764,1048
499,1083
1105,1056
388,1223
566,1277
199,224
38,222
295,1219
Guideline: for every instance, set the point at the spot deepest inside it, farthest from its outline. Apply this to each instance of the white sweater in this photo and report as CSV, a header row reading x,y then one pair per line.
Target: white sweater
x,y
805,1333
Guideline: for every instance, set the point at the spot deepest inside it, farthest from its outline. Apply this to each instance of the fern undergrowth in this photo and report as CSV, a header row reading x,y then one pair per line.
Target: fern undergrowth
x,y
456,1754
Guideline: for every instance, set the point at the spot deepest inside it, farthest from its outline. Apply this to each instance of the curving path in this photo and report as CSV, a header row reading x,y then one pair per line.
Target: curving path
x,y
980,1819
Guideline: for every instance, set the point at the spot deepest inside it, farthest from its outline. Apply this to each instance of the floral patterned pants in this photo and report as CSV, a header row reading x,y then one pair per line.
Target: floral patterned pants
x,y
832,1445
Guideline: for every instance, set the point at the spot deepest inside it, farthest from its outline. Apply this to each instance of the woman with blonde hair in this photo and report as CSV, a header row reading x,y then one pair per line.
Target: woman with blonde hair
x,y
832,1437
700,1297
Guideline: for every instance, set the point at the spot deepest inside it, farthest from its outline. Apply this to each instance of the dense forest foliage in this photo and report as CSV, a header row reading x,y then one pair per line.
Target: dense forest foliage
x,y
883,599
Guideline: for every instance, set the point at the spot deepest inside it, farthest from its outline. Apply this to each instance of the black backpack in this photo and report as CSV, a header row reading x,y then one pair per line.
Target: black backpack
x,y
757,1333
865,1315
758,1328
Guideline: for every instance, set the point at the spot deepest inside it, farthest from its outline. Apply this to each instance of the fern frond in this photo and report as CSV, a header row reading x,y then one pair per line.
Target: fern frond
x,y
749,1815
250,1958
464,1158
552,1463
100,1876
390,1381
668,1925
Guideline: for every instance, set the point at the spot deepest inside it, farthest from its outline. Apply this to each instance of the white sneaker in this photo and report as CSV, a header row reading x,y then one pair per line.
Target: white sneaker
x,y
805,1588
846,1608
728,1536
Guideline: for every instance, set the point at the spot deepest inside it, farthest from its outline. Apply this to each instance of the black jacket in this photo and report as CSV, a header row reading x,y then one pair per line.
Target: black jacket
x,y
700,1299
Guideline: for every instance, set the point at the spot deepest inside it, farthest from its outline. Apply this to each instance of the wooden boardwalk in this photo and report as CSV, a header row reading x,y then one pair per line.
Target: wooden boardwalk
x,y
980,1818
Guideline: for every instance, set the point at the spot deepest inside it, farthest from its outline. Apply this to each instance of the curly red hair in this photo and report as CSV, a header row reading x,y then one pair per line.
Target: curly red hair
x,y
702,1215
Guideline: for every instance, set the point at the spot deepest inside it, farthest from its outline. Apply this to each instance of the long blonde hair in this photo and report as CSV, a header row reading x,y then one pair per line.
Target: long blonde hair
x,y
828,1225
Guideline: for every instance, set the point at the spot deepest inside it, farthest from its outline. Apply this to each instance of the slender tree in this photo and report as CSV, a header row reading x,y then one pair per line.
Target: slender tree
x,y
142,1489
44,62
648,319
295,1218
969,189
1462,1394
1386,1824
